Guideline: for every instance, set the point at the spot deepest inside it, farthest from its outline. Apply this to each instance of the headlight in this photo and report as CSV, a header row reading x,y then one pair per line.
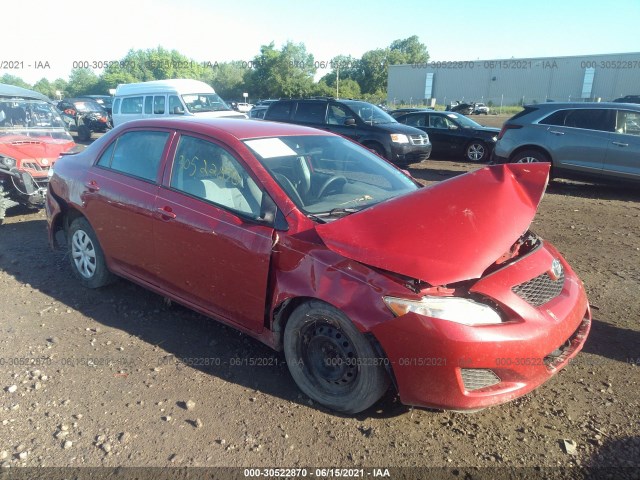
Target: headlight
x,y
453,309
50,173
399,138
494,138
8,162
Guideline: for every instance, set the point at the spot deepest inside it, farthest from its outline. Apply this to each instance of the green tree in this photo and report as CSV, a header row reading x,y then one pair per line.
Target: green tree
x,y
409,50
229,79
287,72
82,81
13,80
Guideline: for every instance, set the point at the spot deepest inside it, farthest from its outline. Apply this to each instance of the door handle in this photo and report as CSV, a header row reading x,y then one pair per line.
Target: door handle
x,y
92,186
620,144
167,212
556,132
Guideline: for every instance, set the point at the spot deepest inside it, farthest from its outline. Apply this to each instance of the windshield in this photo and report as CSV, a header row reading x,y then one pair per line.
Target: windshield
x,y
85,106
370,113
33,118
204,102
466,122
329,176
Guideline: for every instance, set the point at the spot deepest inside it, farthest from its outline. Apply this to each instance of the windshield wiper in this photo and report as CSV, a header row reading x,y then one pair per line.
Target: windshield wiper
x,y
334,212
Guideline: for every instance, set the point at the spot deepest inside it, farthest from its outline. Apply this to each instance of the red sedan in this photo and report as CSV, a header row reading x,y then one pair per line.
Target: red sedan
x,y
316,246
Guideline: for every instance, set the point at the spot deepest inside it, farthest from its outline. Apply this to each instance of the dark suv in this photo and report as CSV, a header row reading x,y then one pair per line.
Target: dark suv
x,y
361,121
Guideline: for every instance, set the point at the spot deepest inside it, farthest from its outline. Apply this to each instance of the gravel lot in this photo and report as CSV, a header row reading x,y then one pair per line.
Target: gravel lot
x,y
116,377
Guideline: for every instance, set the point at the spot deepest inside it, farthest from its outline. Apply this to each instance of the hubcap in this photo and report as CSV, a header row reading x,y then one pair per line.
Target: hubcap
x,y
83,253
528,160
329,355
475,152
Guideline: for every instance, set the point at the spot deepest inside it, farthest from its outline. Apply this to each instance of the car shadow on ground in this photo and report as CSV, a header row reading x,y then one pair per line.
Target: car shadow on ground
x,y
607,191
182,338
611,342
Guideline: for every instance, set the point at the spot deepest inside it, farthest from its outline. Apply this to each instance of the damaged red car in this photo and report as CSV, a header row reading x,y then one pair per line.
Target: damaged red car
x,y
316,246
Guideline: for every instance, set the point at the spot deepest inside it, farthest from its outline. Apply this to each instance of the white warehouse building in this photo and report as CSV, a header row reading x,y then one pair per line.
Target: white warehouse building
x,y
516,81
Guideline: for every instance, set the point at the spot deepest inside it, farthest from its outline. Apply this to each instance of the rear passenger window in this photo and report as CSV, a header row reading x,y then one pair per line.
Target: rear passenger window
x,y
136,153
131,105
586,118
279,111
628,122
158,105
310,112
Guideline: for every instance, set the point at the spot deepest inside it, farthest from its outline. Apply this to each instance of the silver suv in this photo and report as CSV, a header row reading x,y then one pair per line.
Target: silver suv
x,y
596,141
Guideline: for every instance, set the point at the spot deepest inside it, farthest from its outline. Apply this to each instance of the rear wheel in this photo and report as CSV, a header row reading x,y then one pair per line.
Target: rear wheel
x,y
530,156
331,361
476,151
86,255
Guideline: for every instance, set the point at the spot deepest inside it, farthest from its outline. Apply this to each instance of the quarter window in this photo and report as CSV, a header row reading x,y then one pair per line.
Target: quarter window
x,y
628,122
415,120
175,105
136,153
279,111
158,105
205,170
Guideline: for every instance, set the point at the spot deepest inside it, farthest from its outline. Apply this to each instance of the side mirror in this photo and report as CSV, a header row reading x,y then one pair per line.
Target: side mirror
x,y
270,215
350,121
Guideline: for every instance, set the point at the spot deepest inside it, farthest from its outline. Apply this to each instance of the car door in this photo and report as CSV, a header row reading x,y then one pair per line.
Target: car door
x,y
119,197
212,253
623,159
337,118
580,138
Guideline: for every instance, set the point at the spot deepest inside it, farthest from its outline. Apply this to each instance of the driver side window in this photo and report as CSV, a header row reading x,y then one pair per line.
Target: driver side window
x,y
207,171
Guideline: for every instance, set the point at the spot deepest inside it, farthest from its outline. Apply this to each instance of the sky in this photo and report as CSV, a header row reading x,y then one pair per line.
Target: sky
x,y
54,35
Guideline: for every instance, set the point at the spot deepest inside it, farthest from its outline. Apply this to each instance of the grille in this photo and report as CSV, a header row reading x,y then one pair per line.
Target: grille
x,y
540,290
419,139
34,166
477,378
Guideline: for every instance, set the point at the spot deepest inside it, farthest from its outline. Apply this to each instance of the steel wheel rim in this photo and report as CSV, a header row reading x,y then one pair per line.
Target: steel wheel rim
x,y
475,152
329,356
83,253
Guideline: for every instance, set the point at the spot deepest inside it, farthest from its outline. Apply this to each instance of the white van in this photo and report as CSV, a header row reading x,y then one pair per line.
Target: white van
x,y
161,98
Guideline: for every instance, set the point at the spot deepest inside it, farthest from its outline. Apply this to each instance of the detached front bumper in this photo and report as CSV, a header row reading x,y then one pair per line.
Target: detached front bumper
x,y
442,364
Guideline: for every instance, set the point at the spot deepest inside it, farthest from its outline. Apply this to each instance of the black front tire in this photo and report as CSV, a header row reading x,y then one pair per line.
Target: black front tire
x,y
331,361
86,255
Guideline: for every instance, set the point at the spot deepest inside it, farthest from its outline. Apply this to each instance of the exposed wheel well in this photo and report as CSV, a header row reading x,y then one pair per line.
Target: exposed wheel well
x,y
377,146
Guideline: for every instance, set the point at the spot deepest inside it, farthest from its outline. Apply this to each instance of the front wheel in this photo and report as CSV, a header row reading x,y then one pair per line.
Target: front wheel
x,y
476,151
86,255
530,156
331,361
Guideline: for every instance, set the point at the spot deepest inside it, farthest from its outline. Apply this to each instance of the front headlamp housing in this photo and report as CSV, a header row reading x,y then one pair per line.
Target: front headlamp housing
x,y
454,309
8,162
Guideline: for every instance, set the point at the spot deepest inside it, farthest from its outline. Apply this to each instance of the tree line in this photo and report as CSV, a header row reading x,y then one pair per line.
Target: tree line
x,y
273,73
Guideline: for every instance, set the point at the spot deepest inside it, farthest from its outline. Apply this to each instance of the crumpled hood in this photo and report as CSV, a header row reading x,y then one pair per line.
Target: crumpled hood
x,y
448,232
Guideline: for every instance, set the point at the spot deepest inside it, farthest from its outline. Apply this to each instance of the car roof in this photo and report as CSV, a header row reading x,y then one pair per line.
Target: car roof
x,y
241,129
557,105
19,92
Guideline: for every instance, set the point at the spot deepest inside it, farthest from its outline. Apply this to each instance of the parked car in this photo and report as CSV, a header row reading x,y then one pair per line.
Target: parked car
x,y
316,246
84,116
105,101
243,107
460,107
360,121
32,137
595,141
258,111
402,111
453,133
480,109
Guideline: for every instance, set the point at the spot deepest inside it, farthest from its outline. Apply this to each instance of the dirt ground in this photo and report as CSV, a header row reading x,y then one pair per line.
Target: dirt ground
x,y
115,377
